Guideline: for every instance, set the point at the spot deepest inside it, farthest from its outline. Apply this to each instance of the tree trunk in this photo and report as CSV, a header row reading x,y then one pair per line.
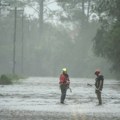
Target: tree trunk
x,y
88,9
41,18
83,7
83,14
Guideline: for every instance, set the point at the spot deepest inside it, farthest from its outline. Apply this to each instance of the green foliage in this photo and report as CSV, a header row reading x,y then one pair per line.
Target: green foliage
x,y
13,77
5,80
74,10
59,46
107,40
8,79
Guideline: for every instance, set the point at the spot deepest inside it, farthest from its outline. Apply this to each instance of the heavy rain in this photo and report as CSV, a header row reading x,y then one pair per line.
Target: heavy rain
x,y
59,60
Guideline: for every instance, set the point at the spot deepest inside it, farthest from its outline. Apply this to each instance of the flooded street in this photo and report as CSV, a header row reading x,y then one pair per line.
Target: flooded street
x,y
38,99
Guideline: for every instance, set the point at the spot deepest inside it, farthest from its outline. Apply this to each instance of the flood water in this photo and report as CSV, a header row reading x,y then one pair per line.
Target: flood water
x,y
38,96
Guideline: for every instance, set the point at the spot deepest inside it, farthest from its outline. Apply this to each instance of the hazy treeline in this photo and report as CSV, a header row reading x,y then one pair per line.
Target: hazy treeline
x,y
107,36
67,43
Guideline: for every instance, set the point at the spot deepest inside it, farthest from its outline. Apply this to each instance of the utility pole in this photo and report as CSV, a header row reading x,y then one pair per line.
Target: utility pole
x,y
14,41
22,57
14,38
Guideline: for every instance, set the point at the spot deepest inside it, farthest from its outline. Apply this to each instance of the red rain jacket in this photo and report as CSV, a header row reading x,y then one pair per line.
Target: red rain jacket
x,y
64,79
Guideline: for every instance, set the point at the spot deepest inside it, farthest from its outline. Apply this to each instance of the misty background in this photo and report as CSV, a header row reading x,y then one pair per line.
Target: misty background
x,y
40,37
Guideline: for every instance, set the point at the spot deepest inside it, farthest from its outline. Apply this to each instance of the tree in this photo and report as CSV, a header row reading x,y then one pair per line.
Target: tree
x,y
83,31
107,40
60,45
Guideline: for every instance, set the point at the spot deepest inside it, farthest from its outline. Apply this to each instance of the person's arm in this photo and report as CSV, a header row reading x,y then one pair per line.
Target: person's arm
x,y
101,83
68,80
96,82
100,86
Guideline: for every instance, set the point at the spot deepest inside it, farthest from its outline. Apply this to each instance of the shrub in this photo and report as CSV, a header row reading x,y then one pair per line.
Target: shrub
x,y
5,80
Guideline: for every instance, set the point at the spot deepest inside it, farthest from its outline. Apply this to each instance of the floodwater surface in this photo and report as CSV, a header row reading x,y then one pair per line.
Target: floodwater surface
x,y
38,98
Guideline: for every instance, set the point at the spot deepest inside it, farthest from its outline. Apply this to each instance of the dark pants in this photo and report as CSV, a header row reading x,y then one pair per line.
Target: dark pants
x,y
63,92
98,93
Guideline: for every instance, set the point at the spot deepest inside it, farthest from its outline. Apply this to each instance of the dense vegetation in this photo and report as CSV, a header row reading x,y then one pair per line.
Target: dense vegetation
x,y
8,79
65,42
107,40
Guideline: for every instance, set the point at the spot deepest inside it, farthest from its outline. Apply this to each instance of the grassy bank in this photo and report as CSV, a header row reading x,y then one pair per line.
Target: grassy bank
x,y
8,79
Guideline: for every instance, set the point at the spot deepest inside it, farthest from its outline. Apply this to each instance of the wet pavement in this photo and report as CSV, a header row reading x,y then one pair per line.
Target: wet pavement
x,y
38,98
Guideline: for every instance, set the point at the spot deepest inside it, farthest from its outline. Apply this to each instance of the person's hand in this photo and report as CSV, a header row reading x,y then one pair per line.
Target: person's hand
x,y
68,86
98,89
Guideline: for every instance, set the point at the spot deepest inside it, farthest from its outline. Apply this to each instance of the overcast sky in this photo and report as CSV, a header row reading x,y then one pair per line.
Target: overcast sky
x,y
33,11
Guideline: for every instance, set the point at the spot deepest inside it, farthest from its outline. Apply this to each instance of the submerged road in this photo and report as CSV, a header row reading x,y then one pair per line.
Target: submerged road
x,y
37,98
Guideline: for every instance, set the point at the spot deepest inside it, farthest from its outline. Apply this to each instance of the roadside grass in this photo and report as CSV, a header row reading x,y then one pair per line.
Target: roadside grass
x,y
9,79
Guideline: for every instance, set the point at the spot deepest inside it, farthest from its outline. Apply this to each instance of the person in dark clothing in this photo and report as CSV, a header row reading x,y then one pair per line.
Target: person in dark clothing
x,y
99,85
64,83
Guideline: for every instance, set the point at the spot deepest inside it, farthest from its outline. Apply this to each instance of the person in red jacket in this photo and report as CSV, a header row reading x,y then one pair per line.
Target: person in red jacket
x,y
64,84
